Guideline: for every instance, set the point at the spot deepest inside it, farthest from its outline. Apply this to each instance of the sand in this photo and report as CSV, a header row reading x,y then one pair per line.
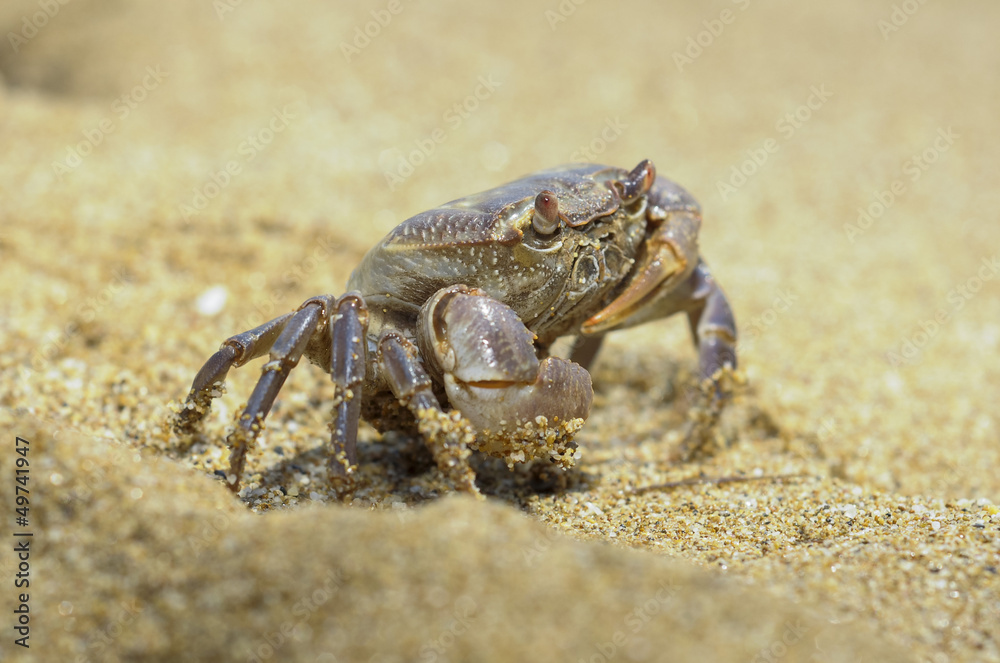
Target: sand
x,y
172,174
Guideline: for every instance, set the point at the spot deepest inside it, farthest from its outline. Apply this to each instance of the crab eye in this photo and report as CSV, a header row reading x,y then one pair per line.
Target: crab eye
x,y
638,182
546,217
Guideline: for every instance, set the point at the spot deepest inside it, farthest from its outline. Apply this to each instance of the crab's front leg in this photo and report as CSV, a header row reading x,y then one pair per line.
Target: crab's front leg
x,y
712,323
521,408
669,278
447,434
714,330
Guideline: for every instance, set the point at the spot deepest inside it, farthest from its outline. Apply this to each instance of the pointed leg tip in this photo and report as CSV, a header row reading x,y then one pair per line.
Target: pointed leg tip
x,y
342,476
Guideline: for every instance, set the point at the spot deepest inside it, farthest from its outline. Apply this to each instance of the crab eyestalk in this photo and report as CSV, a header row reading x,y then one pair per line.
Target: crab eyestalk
x,y
546,217
638,182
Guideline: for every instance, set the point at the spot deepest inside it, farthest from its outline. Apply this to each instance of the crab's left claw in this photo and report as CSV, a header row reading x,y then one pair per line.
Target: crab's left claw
x,y
668,257
659,270
669,277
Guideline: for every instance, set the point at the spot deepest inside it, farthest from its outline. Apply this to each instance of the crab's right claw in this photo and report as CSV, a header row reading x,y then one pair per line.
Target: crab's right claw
x,y
521,408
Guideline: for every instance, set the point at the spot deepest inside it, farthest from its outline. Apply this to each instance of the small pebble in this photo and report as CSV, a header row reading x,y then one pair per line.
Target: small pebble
x,y
212,301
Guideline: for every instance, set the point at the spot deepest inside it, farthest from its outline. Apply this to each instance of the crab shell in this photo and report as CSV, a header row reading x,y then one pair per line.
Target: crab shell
x,y
555,283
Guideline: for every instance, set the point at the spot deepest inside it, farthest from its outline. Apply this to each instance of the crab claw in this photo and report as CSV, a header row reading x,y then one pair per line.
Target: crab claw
x,y
670,255
521,408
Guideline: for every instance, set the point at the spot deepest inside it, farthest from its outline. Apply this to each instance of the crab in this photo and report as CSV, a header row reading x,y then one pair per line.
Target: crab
x,y
447,324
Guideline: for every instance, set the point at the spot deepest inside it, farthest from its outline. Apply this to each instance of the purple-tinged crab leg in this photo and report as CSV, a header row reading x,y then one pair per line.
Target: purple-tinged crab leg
x,y
447,434
285,354
585,349
712,323
714,330
400,363
713,326
235,351
348,365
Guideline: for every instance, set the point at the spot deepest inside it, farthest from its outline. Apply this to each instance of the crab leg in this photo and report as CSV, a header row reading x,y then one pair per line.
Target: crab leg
x,y
712,324
661,290
447,434
285,354
699,295
235,351
348,362
714,330
585,349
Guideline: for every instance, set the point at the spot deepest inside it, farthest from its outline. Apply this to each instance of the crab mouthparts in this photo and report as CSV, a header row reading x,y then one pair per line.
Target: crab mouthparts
x,y
663,261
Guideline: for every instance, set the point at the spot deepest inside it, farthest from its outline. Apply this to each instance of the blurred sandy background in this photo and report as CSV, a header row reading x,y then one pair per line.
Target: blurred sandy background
x,y
173,173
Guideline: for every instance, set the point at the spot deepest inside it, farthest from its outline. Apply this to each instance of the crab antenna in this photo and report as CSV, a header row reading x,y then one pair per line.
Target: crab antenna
x,y
546,217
